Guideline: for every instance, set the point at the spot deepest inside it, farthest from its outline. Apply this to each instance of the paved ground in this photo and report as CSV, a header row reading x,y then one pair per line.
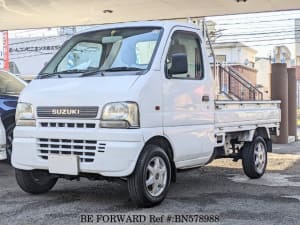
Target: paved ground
x,y
220,188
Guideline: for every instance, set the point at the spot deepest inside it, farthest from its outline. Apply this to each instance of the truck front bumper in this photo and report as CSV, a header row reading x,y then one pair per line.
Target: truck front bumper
x,y
112,152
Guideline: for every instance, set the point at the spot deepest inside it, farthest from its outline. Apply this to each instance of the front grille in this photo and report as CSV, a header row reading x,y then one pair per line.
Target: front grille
x,y
67,125
84,149
67,112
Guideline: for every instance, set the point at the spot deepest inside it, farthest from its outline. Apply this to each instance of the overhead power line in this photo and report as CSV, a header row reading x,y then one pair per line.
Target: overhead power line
x,y
256,27
246,40
247,37
255,15
256,37
260,28
255,45
253,22
259,33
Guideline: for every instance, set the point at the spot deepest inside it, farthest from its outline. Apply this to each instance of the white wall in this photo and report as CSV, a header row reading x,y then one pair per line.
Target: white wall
x,y
237,55
232,54
263,66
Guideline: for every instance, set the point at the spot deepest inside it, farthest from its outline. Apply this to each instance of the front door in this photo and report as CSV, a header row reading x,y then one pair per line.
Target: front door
x,y
188,99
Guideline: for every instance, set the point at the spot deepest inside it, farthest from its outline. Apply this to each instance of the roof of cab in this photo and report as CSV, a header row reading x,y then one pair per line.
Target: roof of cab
x,y
164,24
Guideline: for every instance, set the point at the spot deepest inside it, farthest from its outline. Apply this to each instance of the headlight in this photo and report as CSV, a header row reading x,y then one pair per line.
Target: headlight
x,y
120,115
25,115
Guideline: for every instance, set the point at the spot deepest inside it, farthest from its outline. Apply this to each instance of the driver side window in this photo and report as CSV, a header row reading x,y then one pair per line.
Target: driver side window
x,y
187,43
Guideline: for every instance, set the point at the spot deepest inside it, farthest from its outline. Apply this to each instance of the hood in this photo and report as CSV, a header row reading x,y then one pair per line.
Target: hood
x,y
88,91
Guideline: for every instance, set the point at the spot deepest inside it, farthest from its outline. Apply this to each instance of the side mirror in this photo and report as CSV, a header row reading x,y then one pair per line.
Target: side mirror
x,y
179,64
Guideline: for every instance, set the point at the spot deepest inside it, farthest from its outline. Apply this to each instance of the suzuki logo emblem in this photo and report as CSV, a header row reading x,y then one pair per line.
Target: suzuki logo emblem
x,y
65,111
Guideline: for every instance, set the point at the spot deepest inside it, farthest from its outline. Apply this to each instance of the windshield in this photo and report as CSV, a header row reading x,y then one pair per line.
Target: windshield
x,y
113,50
9,84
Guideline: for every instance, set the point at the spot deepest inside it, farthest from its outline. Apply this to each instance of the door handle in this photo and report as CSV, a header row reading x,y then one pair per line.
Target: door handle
x,y
205,98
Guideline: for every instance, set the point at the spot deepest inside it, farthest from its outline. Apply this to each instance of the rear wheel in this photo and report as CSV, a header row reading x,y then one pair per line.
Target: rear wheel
x,y
35,182
9,139
255,158
150,181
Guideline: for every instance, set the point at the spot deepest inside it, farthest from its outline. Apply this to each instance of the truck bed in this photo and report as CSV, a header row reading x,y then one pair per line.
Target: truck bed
x,y
241,115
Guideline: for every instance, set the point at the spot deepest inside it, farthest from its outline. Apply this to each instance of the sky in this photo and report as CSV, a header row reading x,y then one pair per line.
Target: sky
x,y
261,31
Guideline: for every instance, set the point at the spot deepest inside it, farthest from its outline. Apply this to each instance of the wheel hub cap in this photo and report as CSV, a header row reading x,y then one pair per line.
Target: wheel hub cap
x,y
260,157
156,178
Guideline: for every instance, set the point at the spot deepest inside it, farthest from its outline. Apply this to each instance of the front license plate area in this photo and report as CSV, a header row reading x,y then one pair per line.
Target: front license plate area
x,y
63,164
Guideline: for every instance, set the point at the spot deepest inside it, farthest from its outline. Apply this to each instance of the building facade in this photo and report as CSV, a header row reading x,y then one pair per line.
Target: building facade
x,y
29,55
235,53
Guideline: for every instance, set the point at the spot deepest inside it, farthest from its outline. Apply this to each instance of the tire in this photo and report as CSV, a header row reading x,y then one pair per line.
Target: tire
x,y
9,139
154,167
35,182
255,158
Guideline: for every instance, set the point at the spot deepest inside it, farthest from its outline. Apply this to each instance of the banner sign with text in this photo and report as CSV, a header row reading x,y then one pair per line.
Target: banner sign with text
x,y
4,51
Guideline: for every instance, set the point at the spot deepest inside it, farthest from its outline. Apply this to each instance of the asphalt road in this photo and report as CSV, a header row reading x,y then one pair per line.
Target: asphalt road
x,y
220,188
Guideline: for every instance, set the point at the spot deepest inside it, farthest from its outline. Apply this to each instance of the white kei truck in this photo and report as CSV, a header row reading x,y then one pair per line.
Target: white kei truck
x,y
134,101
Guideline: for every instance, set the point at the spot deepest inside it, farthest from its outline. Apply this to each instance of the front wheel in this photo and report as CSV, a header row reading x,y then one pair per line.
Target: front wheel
x,y
150,181
35,182
255,158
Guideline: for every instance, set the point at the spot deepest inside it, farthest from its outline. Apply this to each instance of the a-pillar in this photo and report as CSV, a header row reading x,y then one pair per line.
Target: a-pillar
x,y
279,91
292,84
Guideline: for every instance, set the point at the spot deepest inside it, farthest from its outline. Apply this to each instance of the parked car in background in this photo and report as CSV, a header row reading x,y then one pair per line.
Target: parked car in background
x,y
13,68
10,88
27,78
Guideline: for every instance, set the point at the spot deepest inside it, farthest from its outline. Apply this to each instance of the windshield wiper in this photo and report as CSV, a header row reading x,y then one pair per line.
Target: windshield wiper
x,y
114,69
58,74
92,72
72,71
89,72
46,75
124,68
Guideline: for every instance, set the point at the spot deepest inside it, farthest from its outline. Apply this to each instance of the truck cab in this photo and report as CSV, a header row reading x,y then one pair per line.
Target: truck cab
x,y
132,101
